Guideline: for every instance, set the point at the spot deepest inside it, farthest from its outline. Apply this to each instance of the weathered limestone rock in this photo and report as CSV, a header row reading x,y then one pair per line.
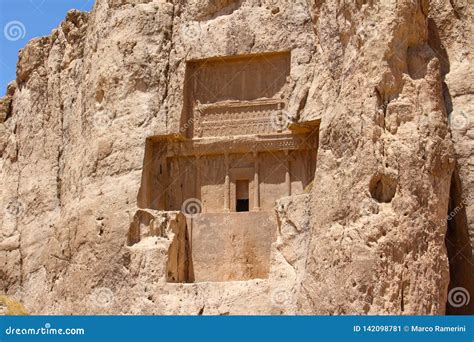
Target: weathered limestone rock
x,y
90,224
153,235
10,307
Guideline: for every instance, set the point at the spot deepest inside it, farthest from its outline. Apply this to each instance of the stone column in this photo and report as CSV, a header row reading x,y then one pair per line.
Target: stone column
x,y
256,183
287,174
227,185
198,179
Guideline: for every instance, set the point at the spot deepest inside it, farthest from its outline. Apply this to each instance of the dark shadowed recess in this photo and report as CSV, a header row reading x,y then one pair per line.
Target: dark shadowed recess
x,y
459,247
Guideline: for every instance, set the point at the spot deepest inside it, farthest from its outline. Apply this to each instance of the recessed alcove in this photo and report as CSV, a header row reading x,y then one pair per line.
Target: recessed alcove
x,y
235,95
236,158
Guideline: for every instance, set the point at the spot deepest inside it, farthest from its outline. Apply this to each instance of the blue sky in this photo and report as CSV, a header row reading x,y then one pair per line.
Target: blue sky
x,y
22,20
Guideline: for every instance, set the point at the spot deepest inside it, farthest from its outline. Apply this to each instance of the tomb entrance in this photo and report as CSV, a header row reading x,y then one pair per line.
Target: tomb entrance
x,y
237,153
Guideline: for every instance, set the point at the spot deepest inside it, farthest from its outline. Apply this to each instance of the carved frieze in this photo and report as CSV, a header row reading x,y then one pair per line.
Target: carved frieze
x,y
238,118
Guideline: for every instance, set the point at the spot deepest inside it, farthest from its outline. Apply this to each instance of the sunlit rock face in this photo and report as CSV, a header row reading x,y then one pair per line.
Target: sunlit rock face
x,y
242,157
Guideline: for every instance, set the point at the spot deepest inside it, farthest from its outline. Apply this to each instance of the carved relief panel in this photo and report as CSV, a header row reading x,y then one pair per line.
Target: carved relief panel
x,y
236,95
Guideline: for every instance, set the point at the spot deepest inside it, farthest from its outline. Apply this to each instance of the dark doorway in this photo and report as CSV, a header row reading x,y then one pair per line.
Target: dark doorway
x,y
242,195
242,205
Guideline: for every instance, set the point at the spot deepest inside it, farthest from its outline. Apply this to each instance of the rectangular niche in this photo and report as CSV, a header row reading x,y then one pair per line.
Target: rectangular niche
x,y
235,95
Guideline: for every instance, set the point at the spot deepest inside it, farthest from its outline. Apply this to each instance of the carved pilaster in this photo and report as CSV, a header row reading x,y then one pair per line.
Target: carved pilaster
x,y
287,173
198,179
227,185
256,183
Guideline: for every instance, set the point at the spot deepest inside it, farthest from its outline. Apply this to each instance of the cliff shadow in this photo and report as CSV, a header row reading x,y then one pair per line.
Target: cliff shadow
x,y
459,248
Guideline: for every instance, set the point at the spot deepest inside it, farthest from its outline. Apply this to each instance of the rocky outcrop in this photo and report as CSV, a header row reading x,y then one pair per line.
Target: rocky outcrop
x,y
10,307
450,27
389,82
